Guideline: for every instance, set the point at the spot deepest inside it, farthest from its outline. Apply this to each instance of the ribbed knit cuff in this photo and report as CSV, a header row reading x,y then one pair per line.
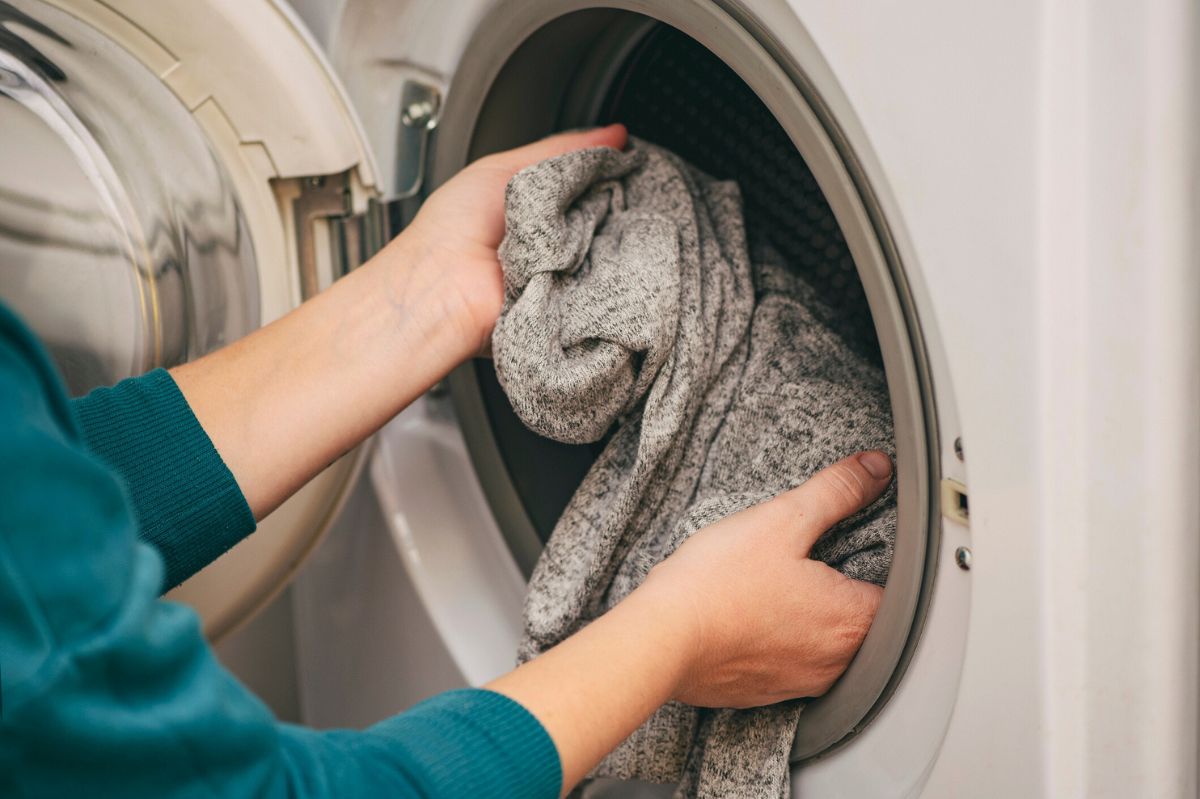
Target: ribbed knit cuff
x,y
514,755
469,743
187,503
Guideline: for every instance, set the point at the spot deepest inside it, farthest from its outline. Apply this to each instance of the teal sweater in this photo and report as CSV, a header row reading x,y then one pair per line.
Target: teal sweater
x,y
106,690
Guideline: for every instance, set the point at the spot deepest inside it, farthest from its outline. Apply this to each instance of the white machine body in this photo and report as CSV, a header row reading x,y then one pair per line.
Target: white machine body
x,y
1041,158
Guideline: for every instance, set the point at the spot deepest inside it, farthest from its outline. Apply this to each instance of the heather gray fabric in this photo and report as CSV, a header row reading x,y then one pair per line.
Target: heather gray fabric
x,y
631,300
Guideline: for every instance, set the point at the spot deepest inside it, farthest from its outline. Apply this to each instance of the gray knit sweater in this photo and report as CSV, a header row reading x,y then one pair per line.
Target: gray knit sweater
x,y
632,307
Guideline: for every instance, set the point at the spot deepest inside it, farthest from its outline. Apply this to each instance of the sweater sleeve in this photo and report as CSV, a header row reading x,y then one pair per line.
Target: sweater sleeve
x,y
186,501
108,691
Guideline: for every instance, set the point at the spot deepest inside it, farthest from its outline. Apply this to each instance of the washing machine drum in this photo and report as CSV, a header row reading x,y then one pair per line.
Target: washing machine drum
x,y
673,91
730,106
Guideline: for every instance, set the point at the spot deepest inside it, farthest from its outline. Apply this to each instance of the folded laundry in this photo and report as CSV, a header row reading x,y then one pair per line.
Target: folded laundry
x,y
633,309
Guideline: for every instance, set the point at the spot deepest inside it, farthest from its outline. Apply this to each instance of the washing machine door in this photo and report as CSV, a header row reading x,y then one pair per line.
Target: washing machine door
x,y
173,175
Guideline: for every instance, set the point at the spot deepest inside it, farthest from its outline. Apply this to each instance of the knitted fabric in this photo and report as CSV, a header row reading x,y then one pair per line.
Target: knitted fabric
x,y
633,309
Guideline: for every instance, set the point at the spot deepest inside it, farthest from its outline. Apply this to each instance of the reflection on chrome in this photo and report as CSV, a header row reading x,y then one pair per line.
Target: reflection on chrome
x,y
121,241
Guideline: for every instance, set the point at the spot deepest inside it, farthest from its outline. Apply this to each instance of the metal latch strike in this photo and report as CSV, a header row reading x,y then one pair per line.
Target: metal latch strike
x,y
954,501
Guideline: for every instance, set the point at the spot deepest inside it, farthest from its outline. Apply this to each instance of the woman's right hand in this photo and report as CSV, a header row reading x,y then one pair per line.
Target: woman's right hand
x,y
738,616
765,623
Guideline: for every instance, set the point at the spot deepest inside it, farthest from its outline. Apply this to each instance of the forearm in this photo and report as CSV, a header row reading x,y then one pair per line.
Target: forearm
x,y
286,401
594,689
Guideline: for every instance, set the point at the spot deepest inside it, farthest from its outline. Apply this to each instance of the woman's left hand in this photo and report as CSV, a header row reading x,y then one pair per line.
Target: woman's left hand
x,y
459,228
284,402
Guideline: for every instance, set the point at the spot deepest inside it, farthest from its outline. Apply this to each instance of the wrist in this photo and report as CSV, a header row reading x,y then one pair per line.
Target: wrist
x,y
673,622
414,277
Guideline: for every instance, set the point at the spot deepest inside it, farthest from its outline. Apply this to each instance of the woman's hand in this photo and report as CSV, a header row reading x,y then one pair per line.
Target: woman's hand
x,y
460,226
766,623
737,617
284,402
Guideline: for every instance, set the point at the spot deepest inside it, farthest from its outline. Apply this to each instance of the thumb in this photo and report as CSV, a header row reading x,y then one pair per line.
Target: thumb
x,y
613,136
834,493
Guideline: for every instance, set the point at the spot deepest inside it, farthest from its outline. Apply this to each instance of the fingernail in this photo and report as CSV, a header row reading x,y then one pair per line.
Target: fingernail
x,y
877,464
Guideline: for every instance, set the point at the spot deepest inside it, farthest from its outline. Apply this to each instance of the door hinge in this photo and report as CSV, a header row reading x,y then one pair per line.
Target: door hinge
x,y
324,212
324,207
420,110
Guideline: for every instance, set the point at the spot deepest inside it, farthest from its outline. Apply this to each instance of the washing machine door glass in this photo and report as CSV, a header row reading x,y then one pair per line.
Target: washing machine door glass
x,y
173,175
121,239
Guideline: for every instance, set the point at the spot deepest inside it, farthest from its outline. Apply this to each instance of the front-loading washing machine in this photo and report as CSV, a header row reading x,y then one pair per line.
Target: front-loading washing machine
x,y
999,200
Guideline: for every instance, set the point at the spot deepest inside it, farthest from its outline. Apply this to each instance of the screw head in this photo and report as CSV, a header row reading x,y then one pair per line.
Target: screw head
x,y
963,557
958,448
418,114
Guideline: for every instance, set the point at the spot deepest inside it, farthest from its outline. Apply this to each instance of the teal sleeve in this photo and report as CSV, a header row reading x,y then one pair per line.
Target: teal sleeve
x,y
185,500
469,742
108,691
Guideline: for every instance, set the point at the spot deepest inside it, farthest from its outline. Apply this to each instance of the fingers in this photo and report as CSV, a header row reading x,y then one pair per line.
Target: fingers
x,y
612,136
834,493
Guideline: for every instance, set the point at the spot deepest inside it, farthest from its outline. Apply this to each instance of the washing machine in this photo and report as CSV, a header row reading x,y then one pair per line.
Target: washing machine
x,y
998,199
